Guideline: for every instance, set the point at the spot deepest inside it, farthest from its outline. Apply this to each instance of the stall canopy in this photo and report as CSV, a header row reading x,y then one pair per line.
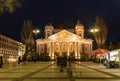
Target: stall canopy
x,y
64,35
100,51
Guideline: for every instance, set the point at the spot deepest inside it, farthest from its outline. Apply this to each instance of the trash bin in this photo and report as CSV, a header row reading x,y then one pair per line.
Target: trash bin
x,y
116,65
107,64
110,64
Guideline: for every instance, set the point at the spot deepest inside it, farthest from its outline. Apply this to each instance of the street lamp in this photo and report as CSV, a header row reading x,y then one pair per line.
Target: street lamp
x,y
94,30
35,31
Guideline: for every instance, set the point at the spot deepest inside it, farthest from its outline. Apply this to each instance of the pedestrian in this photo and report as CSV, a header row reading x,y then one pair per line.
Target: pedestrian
x,y
63,62
34,58
24,59
1,61
58,60
69,60
19,59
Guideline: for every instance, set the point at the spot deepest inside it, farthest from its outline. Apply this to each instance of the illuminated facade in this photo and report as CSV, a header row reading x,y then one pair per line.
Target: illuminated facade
x,y
9,48
21,49
58,41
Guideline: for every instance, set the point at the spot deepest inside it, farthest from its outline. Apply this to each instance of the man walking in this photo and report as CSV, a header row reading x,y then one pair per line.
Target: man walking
x,y
1,61
63,62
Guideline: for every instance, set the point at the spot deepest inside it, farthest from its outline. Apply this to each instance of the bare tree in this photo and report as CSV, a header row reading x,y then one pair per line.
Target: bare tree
x,y
101,35
9,5
27,36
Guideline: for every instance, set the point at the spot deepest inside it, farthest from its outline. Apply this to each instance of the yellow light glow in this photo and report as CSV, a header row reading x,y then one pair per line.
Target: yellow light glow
x,y
94,30
36,31
11,59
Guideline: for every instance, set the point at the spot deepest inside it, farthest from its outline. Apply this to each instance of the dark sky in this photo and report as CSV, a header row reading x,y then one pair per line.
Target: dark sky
x,y
65,12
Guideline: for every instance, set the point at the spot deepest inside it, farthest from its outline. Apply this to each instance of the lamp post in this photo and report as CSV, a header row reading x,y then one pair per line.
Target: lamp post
x,y
35,31
94,32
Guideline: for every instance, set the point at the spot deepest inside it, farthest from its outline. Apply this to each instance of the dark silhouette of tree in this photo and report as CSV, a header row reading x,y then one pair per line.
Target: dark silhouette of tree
x,y
27,36
101,35
9,5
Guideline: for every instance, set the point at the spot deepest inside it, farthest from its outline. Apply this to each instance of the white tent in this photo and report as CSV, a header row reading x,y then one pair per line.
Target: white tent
x,y
114,55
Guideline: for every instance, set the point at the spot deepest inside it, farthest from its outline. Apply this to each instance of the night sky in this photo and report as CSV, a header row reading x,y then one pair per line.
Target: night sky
x,y
65,12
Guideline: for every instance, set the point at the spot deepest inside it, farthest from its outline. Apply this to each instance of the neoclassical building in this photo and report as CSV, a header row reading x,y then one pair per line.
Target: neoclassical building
x,y
68,41
10,48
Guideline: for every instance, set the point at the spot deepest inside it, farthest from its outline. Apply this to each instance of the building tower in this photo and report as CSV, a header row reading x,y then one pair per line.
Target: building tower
x,y
79,29
48,30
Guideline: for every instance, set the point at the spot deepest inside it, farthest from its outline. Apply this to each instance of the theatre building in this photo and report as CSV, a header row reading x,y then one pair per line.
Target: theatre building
x,y
68,41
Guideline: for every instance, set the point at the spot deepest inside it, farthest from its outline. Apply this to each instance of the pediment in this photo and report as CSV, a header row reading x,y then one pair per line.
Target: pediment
x,y
64,35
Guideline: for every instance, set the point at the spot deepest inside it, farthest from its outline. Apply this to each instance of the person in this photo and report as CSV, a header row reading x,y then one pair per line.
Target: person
x,y
58,60
24,59
19,60
34,58
63,62
69,60
1,61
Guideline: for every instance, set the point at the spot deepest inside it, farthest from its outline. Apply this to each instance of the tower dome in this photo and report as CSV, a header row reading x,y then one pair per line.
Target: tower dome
x,y
79,29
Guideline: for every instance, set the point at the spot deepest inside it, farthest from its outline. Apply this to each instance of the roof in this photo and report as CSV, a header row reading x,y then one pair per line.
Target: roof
x,y
64,35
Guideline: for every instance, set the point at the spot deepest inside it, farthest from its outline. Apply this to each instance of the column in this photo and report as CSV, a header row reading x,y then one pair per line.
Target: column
x,y
119,57
60,48
38,49
78,45
75,50
91,47
68,48
52,50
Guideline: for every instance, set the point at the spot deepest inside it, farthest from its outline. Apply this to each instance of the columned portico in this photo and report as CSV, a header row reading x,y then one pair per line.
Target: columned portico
x,y
59,41
57,48
66,42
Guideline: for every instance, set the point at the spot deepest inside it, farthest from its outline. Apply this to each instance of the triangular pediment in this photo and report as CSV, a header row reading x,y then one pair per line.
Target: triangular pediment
x,y
64,35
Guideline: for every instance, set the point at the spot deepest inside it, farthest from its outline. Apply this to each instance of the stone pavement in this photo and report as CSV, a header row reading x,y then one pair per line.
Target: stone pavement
x,y
49,71
14,72
115,72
